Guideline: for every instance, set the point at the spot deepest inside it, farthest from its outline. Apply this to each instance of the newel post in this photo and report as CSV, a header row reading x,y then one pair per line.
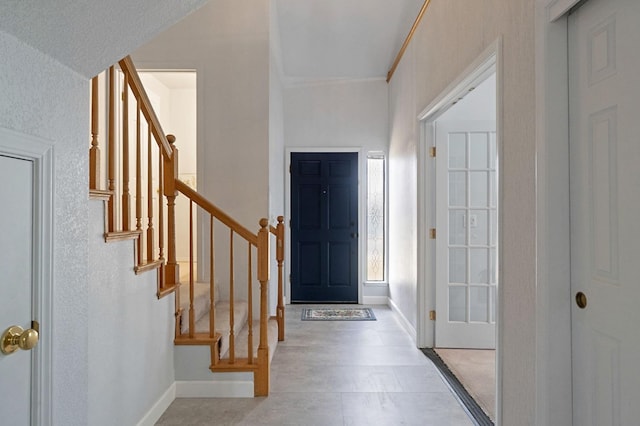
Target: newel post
x,y
172,270
261,376
280,259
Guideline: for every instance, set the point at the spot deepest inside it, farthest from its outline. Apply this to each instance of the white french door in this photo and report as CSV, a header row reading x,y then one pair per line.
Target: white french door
x,y
604,110
467,226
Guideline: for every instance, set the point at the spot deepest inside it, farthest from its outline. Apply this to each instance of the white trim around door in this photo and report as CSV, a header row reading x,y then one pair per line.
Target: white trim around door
x,y
487,63
553,289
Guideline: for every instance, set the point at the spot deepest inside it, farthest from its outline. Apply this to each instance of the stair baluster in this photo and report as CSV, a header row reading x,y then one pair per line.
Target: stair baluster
x,y
126,198
111,159
94,151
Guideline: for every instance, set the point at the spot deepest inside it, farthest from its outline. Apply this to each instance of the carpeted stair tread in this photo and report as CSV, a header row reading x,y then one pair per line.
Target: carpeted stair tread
x,y
222,321
200,302
201,308
242,348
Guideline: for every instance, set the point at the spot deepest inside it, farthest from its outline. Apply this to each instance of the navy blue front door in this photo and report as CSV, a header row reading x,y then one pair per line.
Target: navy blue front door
x,y
324,227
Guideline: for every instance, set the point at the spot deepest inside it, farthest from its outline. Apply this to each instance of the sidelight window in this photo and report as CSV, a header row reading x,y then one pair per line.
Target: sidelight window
x,y
376,227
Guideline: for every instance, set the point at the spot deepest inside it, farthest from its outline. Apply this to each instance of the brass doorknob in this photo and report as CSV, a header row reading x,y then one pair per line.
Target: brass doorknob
x,y
581,300
15,338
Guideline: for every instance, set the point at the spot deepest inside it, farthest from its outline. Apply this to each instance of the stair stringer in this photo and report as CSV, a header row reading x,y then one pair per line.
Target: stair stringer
x,y
195,379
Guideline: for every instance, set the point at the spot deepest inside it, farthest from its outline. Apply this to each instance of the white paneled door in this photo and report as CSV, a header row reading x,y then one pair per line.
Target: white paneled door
x,y
467,225
16,243
604,93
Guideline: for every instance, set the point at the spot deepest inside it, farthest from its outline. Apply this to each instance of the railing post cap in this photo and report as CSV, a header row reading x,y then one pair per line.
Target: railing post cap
x,y
280,219
171,139
264,222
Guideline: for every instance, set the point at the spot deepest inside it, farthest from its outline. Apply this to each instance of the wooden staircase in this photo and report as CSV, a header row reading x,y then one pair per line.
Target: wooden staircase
x,y
140,186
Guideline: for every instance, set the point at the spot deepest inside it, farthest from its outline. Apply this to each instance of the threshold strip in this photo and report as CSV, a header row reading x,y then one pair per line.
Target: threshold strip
x,y
476,413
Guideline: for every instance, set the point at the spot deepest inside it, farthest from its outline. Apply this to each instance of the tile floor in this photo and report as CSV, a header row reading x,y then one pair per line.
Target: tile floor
x,y
337,373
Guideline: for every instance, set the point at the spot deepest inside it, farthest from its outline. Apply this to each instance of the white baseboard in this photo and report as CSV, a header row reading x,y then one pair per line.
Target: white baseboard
x,y
214,389
159,407
375,300
403,320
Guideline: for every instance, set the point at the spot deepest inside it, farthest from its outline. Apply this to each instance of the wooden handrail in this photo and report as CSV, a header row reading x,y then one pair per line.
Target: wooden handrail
x,y
216,212
126,65
407,40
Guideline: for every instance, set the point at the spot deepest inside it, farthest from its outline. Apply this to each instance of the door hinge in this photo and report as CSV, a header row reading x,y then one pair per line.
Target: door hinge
x,y
432,233
432,152
432,315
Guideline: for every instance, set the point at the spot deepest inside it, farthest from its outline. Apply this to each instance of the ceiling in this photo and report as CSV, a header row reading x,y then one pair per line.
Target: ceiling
x,y
318,39
89,35
340,39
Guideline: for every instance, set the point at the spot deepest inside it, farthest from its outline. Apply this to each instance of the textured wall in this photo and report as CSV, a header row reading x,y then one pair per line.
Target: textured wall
x,y
130,332
40,97
89,35
451,36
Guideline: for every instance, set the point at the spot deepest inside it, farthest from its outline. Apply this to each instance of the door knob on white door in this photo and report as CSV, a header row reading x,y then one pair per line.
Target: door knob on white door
x,y
581,300
15,338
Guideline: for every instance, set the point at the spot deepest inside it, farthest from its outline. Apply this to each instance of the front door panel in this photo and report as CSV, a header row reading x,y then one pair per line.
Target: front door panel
x,y
324,227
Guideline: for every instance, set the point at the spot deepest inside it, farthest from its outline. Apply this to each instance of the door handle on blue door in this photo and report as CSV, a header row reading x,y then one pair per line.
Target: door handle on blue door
x,y
354,235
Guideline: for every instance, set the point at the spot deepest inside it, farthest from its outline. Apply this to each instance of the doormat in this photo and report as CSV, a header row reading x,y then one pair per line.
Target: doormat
x,y
338,314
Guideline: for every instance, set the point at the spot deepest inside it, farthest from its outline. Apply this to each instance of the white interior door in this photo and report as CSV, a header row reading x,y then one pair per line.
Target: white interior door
x,y
466,217
604,93
16,239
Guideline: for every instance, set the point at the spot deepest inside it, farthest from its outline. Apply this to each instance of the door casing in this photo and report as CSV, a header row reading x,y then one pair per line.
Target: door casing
x,y
40,153
553,338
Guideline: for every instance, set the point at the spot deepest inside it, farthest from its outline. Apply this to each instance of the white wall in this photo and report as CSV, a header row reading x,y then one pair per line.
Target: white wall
x,y
174,99
276,145
403,225
337,114
42,98
130,332
340,114
227,43
436,56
